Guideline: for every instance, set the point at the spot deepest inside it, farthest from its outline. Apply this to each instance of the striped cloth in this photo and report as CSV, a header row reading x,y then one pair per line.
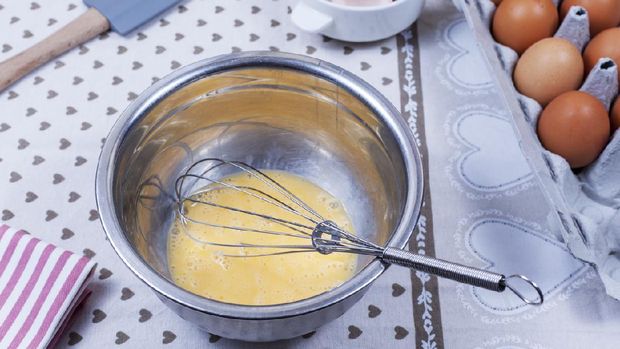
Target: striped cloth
x,y
40,286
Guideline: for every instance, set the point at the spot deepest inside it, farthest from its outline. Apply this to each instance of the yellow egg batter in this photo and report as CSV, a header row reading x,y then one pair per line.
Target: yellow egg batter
x,y
211,272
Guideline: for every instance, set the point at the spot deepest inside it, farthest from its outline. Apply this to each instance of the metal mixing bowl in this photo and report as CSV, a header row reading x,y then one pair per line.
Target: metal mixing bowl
x,y
273,111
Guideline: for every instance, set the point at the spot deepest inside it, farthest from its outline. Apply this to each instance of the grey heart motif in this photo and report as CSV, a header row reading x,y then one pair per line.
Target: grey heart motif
x,y
13,94
290,36
255,10
373,311
159,49
103,36
169,337
308,335
6,215
218,9
4,126
174,65
98,316
254,37
121,337
97,64
58,178
397,290
59,64
121,49
30,111
51,94
14,177
38,80
178,36
400,332
77,80
94,215
274,23
34,6
238,23
198,50
385,50
27,34
30,196
104,273
71,110
6,48
364,66
71,7
73,196
163,22
126,294
141,36
116,80
273,49
110,111
310,50
201,23
74,338
216,37
22,144
347,50
154,79
64,144
82,50
181,8
386,81
354,332
87,252
92,95
50,214
66,234
44,126
85,126
236,49
213,338
131,96
145,315
136,65
37,160
14,20
79,161
51,22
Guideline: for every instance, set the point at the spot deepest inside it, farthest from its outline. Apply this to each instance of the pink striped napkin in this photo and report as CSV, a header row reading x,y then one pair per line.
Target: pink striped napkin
x,y
40,286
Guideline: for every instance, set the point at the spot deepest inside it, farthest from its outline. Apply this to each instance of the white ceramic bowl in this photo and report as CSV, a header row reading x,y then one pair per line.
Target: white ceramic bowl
x,y
356,23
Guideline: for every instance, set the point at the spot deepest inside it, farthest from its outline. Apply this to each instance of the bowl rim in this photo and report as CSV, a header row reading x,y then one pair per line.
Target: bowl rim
x,y
154,94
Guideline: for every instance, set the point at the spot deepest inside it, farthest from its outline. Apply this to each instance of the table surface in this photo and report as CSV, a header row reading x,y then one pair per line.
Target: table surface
x,y
483,206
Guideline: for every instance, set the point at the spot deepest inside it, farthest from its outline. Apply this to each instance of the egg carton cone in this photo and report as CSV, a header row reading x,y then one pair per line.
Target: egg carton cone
x,y
585,206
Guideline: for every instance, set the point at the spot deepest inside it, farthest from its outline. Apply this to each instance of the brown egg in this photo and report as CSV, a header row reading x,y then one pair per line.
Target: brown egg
x,y
602,14
520,23
615,115
605,44
549,68
575,125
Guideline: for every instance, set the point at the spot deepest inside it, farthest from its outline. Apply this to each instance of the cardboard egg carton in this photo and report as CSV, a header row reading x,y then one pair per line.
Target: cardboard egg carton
x,y
585,205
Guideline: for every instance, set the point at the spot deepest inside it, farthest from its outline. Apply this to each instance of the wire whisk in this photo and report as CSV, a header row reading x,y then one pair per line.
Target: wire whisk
x,y
314,232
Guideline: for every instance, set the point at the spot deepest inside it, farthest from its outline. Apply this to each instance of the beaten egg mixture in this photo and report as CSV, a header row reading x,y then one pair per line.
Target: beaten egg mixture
x,y
210,271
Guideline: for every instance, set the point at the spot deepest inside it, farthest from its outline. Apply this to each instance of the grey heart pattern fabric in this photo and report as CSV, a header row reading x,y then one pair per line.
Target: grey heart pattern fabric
x,y
478,199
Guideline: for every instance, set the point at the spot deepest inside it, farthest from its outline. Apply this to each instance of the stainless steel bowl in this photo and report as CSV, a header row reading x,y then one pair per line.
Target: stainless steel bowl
x,y
274,111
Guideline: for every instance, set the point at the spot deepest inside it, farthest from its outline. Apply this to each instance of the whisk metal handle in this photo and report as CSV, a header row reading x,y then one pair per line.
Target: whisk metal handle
x,y
459,273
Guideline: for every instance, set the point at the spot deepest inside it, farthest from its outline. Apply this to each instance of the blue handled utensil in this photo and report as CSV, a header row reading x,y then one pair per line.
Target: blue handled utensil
x,y
121,16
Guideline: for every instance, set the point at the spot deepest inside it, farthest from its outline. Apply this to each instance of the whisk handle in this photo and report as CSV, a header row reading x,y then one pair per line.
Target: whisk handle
x,y
454,271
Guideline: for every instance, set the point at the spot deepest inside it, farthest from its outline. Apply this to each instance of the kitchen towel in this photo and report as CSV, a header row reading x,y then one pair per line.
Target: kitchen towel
x,y
40,286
